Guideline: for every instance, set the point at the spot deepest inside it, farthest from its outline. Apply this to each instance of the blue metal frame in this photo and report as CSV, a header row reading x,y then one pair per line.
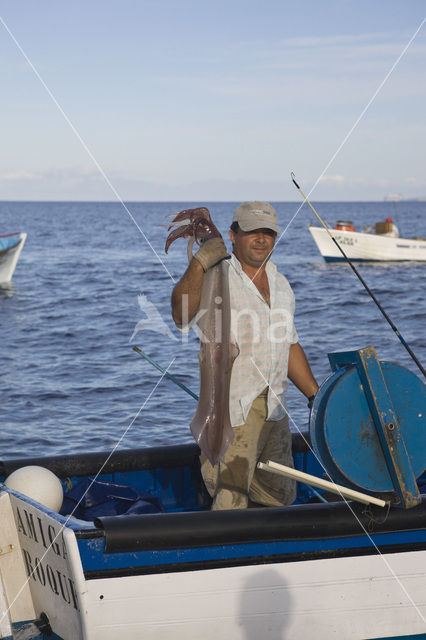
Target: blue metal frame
x,y
366,426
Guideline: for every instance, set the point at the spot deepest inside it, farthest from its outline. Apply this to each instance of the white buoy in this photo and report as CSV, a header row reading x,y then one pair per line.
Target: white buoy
x,y
39,484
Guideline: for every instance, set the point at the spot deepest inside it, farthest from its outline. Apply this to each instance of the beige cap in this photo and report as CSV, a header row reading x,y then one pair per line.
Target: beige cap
x,y
256,215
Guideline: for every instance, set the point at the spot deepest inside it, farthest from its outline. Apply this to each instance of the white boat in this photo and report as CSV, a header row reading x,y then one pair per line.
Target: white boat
x,y
11,245
369,245
318,568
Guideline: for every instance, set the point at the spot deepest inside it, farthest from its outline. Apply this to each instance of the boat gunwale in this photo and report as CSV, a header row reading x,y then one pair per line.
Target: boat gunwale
x,y
168,456
204,528
312,521
335,553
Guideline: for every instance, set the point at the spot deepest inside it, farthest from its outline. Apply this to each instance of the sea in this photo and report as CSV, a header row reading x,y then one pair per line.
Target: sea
x,y
93,281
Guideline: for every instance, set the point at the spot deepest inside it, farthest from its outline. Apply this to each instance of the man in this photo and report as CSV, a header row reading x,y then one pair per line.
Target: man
x,y
393,231
262,304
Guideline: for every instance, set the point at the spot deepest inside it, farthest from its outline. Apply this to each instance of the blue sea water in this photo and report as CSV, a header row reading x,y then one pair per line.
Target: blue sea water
x,y
70,380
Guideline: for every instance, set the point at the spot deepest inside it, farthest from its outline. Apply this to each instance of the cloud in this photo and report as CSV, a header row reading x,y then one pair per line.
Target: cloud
x,y
18,174
275,76
339,49
62,174
52,183
333,179
80,183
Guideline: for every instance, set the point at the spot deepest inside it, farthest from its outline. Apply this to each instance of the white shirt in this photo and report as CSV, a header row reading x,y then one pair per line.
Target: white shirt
x,y
263,335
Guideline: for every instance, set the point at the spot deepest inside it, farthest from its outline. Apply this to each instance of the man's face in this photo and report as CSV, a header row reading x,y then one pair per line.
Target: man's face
x,y
253,248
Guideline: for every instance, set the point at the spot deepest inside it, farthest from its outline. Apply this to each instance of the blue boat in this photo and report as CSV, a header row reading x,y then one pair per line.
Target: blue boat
x,y
11,245
142,555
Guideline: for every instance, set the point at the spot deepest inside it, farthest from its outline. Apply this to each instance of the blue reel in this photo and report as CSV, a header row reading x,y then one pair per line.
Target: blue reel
x,y
368,426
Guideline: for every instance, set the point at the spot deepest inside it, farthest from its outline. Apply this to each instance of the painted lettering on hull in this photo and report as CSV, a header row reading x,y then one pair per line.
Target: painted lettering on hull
x,y
40,533
59,583
45,554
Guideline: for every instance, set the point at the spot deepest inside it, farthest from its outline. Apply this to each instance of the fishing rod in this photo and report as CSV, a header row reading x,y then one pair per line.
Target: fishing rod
x,y
165,373
356,272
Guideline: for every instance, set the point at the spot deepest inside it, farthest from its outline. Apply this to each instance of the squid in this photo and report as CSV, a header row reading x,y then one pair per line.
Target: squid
x,y
211,425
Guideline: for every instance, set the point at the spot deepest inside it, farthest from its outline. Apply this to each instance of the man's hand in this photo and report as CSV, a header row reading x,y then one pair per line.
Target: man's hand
x,y
211,252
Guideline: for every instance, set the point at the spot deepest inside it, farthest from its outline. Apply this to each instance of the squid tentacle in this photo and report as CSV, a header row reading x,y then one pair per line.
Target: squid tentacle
x,y
192,222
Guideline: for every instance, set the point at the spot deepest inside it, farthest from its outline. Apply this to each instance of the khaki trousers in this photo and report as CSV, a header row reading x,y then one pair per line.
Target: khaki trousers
x,y
236,479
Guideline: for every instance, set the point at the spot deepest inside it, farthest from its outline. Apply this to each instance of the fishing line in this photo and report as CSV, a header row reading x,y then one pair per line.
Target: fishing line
x,y
309,446
367,106
85,147
165,371
349,133
388,566
364,284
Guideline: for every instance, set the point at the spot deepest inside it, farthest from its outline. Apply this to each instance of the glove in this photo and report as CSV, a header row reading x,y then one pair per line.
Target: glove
x,y
211,252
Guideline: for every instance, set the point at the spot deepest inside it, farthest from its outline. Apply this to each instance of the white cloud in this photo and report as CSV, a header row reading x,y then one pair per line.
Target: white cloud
x,y
328,54
307,72
333,179
17,175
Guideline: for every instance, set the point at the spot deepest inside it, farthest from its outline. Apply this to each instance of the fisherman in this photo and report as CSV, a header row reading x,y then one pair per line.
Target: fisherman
x,y
262,308
392,229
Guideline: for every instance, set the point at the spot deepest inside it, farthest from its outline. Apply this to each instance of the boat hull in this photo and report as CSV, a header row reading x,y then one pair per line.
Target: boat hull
x,y
11,246
341,597
367,246
191,572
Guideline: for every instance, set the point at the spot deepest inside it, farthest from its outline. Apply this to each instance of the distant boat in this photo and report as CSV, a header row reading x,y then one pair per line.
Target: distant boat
x,y
11,245
379,243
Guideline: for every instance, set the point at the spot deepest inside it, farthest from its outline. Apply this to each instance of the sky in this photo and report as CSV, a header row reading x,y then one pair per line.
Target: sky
x,y
190,100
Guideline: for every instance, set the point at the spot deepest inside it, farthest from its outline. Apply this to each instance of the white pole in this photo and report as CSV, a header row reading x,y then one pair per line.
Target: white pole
x,y
306,478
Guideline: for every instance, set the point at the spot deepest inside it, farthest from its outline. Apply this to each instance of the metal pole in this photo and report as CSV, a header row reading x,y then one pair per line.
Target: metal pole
x,y
166,373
